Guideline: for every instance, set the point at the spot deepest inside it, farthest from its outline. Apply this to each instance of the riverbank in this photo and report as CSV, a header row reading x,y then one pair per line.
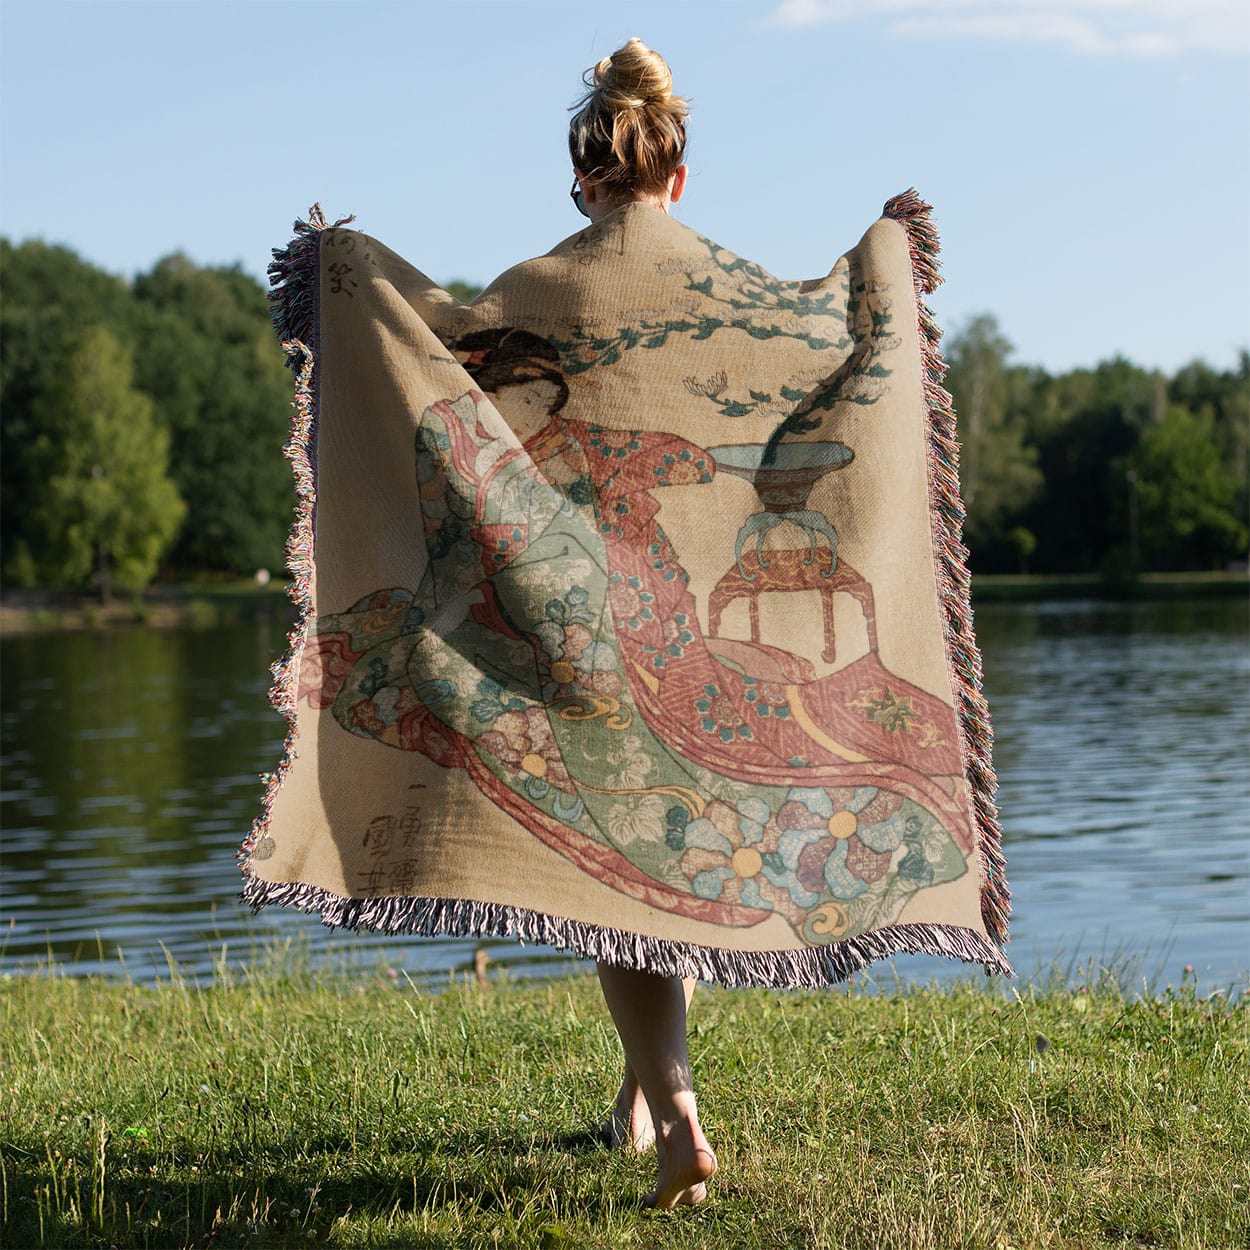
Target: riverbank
x,y
286,1110
203,604
1003,587
174,606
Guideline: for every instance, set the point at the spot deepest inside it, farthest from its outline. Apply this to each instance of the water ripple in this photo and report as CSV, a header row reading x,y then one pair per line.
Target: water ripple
x,y
1121,734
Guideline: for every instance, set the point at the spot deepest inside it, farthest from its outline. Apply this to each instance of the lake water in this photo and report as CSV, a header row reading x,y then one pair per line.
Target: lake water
x,y
130,762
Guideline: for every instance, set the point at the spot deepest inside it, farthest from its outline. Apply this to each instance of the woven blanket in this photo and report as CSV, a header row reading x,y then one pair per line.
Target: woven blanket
x,y
634,615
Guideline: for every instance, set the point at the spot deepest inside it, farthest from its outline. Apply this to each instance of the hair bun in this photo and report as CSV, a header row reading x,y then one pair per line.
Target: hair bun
x,y
629,129
633,77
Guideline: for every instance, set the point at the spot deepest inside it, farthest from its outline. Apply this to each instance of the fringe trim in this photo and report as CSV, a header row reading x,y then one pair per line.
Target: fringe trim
x,y
954,582
294,298
811,968
295,279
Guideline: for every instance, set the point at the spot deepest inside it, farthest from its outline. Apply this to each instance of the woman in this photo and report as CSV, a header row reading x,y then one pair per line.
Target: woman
x,y
663,748
628,141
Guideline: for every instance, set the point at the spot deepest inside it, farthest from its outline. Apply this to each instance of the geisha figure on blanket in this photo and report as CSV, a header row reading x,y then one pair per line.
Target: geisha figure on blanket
x,y
568,590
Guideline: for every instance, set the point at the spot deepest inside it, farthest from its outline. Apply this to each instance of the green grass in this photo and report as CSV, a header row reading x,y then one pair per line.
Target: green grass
x,y
294,1110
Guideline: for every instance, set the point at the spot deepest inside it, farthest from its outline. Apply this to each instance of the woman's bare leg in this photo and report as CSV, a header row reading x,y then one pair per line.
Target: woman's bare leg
x,y
629,1125
650,1015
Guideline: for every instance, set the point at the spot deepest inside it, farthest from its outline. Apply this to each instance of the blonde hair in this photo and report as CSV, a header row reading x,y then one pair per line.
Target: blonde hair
x,y
629,131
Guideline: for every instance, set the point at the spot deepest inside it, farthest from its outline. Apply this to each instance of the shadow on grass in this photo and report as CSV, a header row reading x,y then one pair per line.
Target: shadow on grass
x,y
263,1196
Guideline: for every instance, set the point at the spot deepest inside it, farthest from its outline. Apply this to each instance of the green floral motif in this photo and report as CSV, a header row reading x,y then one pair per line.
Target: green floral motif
x,y
378,677
491,702
914,867
583,350
675,821
889,711
572,609
760,289
581,491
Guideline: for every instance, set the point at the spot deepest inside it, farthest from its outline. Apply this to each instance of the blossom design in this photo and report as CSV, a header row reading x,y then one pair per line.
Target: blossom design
x,y
678,635
730,856
915,867
820,849
720,716
491,701
682,468
570,660
613,444
631,605
637,821
840,841
399,715
631,765
660,554
498,542
711,386
524,741
768,698
885,708
581,491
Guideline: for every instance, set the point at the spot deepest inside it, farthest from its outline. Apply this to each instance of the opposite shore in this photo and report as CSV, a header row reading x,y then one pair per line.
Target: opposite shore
x,y
200,604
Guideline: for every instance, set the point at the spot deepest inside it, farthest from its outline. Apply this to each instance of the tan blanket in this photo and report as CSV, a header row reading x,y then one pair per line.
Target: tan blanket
x,y
635,616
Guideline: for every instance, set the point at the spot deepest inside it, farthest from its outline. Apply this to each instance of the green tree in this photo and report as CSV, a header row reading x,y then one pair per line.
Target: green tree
x,y
1221,397
464,291
51,298
997,467
104,505
1185,495
208,357
1024,543
1085,424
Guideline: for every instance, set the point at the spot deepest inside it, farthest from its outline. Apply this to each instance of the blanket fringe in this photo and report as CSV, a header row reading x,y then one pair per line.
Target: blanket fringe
x,y
294,275
954,581
811,968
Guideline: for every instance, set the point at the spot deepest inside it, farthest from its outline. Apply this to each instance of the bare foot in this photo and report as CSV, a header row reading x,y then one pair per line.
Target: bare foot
x,y
629,1126
686,1165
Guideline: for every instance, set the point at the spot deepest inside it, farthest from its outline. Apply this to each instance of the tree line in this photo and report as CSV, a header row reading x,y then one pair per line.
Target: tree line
x,y
142,424
1113,470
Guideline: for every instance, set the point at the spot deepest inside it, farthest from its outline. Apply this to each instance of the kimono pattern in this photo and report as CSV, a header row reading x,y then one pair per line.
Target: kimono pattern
x,y
554,650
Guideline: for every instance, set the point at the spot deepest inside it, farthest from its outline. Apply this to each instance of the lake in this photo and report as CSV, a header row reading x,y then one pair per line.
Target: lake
x,y
131,759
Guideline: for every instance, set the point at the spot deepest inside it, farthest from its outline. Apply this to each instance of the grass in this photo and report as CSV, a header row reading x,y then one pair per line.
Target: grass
x,y
292,1109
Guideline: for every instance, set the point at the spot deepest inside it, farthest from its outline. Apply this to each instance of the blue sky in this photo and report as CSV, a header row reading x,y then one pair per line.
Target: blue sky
x,y
1089,160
